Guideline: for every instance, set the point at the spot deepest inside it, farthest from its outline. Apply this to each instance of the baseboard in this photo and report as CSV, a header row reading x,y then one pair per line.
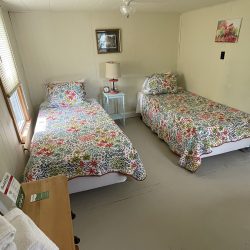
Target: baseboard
x,y
132,114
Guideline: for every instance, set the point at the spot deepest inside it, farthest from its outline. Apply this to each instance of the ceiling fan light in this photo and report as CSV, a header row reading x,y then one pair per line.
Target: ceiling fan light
x,y
126,10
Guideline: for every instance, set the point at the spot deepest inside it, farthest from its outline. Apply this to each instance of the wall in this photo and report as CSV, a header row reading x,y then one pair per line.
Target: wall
x,y
199,61
12,157
62,45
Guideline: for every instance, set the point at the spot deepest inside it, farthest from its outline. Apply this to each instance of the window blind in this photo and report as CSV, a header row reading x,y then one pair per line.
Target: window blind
x,y
8,71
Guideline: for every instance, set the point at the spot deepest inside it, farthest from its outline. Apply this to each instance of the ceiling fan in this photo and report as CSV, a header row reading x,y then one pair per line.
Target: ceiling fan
x,y
127,7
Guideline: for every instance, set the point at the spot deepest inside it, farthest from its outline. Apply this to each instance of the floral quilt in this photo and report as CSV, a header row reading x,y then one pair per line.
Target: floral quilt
x,y
192,125
80,141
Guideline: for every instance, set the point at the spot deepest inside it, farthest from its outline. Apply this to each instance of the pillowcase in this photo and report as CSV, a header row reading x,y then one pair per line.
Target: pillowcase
x,y
160,84
66,93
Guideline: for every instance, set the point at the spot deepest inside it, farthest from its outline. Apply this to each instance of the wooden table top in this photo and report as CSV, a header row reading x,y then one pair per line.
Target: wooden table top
x,y
52,215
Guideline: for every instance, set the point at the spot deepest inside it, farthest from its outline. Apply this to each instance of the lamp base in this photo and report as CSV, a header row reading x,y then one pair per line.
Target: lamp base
x,y
114,91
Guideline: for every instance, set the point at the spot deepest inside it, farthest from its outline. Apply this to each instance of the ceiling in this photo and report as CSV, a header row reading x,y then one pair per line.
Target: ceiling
x,y
94,5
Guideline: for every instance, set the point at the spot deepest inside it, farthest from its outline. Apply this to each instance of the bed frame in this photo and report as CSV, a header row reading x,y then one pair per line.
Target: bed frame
x,y
85,183
228,147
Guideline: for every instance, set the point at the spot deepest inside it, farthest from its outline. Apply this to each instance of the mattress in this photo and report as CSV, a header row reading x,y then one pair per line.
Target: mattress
x,y
80,141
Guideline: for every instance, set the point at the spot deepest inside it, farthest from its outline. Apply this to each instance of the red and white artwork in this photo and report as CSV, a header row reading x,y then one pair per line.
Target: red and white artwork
x,y
228,31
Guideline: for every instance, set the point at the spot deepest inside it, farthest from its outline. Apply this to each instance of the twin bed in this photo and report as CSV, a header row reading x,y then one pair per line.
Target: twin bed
x,y
80,141
193,126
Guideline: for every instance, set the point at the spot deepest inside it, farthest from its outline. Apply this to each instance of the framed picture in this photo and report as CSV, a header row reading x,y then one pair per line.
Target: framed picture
x,y
228,31
108,41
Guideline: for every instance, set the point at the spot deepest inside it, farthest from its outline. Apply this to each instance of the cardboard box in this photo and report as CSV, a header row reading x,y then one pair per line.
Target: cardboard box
x,y
12,189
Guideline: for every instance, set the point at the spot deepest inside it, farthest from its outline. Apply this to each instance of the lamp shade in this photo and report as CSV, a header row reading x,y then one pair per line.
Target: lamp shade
x,y
112,70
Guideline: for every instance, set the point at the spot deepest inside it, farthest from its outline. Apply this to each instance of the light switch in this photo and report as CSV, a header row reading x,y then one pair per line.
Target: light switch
x,y
222,55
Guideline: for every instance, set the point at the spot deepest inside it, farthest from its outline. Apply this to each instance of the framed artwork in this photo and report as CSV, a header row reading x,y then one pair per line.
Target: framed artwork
x,y
228,31
108,41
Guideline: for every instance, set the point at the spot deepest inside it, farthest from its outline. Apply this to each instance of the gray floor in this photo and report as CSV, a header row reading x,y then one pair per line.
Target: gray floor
x,y
171,209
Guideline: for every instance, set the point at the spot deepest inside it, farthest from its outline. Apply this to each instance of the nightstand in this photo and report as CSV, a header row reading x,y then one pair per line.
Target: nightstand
x,y
118,100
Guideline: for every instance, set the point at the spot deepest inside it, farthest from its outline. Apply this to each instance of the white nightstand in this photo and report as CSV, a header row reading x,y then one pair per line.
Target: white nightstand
x,y
119,105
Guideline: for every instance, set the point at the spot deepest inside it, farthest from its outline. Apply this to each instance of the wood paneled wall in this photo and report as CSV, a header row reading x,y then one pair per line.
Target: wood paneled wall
x,y
12,157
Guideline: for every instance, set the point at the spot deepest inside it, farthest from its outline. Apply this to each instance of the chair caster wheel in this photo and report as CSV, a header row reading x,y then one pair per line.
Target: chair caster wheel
x,y
76,240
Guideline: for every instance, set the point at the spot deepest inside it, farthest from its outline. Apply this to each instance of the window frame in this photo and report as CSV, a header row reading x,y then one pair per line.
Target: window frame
x,y
21,133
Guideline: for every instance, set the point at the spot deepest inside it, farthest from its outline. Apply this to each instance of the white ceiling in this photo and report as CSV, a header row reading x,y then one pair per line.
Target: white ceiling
x,y
76,5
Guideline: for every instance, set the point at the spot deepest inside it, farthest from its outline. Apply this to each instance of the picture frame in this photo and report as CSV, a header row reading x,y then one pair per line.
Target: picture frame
x,y
228,31
108,41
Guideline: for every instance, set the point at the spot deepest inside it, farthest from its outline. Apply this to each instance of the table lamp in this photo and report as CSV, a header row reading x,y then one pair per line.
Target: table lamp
x,y
113,73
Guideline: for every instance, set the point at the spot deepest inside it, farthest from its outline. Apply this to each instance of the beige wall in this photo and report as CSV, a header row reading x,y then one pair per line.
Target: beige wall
x,y
12,157
199,61
62,45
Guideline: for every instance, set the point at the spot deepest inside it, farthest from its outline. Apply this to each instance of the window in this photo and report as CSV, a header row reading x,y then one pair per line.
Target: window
x,y
17,109
10,84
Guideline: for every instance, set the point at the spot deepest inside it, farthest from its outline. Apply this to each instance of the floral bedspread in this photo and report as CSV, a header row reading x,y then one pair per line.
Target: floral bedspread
x,y
80,141
192,125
